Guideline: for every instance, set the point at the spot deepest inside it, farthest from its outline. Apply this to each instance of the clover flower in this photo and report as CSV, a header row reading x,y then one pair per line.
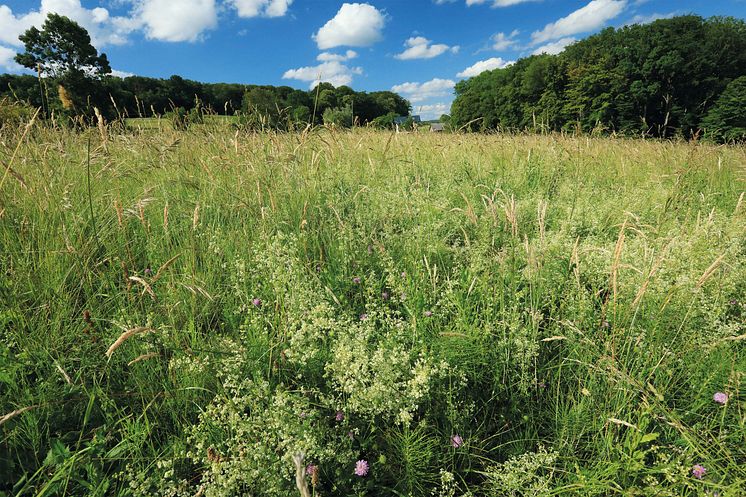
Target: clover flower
x,y
257,302
699,471
339,416
361,467
720,398
311,469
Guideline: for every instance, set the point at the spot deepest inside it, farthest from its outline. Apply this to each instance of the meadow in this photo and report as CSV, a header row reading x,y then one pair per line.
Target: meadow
x,y
362,313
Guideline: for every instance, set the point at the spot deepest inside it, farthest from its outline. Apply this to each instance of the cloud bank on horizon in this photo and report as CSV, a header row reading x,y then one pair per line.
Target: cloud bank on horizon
x,y
395,46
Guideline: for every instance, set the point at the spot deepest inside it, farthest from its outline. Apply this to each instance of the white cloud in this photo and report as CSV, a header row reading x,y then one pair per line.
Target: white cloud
x,y
432,111
328,56
267,8
484,65
104,28
333,72
555,47
419,92
121,74
647,19
184,20
6,59
592,16
419,47
355,25
501,41
498,3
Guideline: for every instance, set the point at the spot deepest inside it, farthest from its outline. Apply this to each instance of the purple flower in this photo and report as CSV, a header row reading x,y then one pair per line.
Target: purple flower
x,y
148,271
720,398
340,416
361,467
356,280
386,295
257,302
363,317
303,415
699,471
456,441
351,434
427,314
311,469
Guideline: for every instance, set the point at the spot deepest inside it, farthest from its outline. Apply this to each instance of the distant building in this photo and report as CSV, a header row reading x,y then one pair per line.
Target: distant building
x,y
437,127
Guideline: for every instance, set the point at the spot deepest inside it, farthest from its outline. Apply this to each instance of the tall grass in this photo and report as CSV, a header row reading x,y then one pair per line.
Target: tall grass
x,y
181,313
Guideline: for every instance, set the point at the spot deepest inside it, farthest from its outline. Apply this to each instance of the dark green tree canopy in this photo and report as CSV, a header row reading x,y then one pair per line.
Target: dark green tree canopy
x,y
62,48
657,79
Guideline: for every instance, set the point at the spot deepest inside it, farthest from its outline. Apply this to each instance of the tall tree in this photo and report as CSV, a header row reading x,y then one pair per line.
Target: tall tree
x,y
62,51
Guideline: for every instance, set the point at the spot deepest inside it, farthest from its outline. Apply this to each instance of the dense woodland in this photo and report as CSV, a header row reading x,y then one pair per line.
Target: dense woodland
x,y
673,77
138,96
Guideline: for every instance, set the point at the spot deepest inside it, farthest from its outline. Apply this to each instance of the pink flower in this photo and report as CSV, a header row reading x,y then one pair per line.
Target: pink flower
x,y
699,471
428,314
456,441
356,280
720,398
311,469
361,467
340,416
257,302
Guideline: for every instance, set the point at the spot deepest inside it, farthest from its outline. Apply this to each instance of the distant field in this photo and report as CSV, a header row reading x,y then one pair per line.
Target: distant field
x,y
182,313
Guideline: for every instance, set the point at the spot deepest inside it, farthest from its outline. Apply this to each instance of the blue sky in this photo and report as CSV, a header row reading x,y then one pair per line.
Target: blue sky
x,y
419,48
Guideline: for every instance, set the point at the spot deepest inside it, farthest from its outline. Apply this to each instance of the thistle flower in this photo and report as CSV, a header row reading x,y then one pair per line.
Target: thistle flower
x,y
339,416
699,471
457,441
257,302
720,398
361,467
311,469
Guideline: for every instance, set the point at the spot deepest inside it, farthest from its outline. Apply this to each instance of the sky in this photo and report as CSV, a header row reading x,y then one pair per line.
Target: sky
x,y
417,48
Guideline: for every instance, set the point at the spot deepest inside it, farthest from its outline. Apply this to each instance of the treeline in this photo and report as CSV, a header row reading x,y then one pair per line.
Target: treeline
x,y
137,96
672,77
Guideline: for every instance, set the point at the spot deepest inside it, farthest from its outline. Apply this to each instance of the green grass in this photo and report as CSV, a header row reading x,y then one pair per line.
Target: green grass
x,y
568,306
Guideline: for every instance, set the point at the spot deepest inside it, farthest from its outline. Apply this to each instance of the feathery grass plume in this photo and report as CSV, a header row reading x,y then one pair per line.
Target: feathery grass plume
x,y
143,357
15,413
163,267
67,102
195,217
300,474
146,286
165,217
125,336
709,271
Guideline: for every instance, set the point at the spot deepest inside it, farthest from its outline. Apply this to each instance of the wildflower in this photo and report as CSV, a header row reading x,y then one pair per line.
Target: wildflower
x,y
428,314
351,434
356,280
699,471
257,302
363,317
303,415
311,469
148,271
403,274
457,441
386,295
340,416
720,398
361,467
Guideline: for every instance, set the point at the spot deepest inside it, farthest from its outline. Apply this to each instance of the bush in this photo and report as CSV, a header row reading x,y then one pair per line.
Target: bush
x,y
341,117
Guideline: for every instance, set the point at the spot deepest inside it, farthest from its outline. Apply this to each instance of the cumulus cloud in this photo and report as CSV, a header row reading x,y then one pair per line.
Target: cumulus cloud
x,y
333,72
592,16
484,65
104,28
647,19
419,92
121,74
355,25
267,8
555,47
328,56
501,41
185,20
432,111
6,59
419,47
